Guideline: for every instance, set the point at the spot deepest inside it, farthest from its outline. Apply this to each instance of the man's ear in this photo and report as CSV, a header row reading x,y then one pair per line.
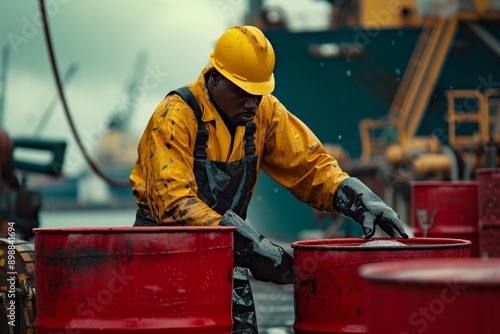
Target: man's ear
x,y
215,76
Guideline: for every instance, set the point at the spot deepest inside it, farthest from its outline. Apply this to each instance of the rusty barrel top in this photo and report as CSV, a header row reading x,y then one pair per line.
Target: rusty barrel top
x,y
363,245
85,241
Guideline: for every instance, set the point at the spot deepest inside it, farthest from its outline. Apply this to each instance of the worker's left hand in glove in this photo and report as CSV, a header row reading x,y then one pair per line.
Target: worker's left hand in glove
x,y
266,260
355,200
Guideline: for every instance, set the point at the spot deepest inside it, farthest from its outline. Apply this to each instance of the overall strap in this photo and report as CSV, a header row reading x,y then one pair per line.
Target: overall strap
x,y
202,133
249,138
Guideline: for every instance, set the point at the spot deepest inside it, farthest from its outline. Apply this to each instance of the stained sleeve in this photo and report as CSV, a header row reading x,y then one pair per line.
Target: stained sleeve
x,y
295,158
166,163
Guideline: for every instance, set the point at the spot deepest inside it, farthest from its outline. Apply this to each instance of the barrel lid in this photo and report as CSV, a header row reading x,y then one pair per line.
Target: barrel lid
x,y
134,229
472,271
378,244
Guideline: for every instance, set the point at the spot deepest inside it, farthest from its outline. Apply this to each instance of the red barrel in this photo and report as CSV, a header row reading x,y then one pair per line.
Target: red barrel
x,y
446,209
459,296
489,211
329,294
134,279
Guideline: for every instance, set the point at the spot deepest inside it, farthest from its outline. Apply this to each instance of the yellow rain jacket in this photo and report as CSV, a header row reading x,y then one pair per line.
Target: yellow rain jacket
x,y
162,178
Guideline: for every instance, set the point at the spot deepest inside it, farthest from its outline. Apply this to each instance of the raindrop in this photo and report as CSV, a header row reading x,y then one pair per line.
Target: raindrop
x,y
275,190
340,136
451,87
321,64
397,71
401,33
393,42
348,73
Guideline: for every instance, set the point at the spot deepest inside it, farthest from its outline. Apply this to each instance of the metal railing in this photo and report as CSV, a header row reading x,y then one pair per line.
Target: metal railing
x,y
486,116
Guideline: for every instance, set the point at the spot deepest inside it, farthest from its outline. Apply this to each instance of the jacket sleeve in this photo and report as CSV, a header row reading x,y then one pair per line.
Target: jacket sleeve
x,y
295,158
166,166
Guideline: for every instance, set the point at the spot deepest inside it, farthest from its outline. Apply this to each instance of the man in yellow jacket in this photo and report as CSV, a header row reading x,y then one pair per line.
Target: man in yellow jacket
x,y
205,145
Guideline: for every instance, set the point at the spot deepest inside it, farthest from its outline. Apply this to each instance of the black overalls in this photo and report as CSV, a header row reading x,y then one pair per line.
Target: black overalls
x,y
224,186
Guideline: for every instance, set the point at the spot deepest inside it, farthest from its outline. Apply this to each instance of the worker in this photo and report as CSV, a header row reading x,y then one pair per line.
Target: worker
x,y
201,153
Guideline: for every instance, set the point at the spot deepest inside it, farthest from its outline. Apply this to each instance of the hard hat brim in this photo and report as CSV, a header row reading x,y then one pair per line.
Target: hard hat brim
x,y
254,88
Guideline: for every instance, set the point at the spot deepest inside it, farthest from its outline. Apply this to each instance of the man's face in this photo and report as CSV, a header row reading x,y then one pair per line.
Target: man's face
x,y
237,104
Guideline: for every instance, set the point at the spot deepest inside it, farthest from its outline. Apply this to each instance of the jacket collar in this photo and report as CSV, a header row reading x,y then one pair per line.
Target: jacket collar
x,y
199,88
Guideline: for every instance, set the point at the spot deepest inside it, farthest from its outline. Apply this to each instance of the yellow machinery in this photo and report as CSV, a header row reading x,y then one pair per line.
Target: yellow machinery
x,y
393,140
425,154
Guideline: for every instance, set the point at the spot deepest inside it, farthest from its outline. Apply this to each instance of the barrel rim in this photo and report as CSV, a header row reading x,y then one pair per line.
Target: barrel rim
x,y
443,183
452,243
133,229
488,170
381,271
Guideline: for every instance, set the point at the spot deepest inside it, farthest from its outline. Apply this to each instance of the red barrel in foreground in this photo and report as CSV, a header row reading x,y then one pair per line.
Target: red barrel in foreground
x,y
134,280
459,296
446,209
329,293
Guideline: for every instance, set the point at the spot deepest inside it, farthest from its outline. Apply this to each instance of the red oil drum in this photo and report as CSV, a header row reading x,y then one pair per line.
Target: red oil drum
x,y
446,209
134,280
459,296
489,211
329,293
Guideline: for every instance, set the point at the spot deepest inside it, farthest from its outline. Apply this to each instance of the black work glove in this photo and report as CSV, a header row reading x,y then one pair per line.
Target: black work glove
x,y
355,200
266,260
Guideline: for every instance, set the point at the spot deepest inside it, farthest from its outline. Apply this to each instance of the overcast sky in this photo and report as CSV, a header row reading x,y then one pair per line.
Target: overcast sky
x,y
103,38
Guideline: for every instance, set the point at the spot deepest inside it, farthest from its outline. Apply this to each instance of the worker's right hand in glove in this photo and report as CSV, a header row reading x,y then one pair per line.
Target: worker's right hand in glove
x,y
355,200
266,260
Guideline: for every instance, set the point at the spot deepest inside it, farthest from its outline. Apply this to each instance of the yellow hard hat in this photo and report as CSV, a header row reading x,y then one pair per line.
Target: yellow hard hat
x,y
245,57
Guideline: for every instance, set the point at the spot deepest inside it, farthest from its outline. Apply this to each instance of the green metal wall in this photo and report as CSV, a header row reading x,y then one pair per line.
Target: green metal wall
x,y
331,95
